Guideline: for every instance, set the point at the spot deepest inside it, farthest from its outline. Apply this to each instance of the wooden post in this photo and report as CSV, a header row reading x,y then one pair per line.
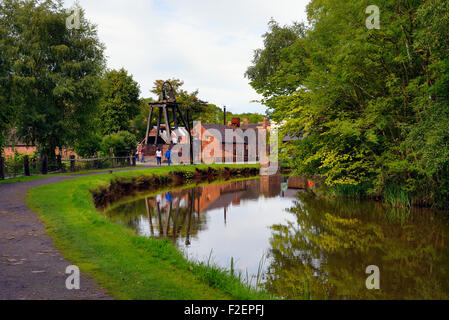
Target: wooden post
x,y
2,168
44,169
72,163
161,228
111,158
149,125
187,125
158,127
26,166
168,127
149,216
175,118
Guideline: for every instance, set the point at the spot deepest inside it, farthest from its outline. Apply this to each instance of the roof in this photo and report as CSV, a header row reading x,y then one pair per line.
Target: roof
x,y
221,128
289,138
13,140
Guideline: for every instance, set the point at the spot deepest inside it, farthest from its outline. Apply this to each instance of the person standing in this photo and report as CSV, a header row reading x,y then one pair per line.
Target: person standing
x,y
143,155
169,197
159,157
168,157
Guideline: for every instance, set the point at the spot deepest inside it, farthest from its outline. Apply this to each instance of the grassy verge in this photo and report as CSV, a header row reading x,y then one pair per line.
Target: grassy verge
x,y
128,266
42,176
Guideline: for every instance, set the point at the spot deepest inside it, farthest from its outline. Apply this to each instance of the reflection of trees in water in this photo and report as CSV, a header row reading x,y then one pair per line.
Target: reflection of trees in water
x,y
128,214
180,214
330,244
177,217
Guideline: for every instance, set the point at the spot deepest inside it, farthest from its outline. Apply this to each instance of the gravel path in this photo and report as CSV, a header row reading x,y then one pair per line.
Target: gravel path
x,y
30,266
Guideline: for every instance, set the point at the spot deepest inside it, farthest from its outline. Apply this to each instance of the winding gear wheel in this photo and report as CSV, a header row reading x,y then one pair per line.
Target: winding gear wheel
x,y
168,93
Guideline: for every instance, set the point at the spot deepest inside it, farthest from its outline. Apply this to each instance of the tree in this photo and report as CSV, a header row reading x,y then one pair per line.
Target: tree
x,y
157,87
121,143
370,105
120,102
319,251
140,122
279,68
55,72
6,112
89,144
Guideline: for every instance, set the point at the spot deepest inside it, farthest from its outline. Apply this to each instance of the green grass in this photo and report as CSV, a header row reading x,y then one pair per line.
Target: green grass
x,y
349,190
395,196
39,177
23,179
128,266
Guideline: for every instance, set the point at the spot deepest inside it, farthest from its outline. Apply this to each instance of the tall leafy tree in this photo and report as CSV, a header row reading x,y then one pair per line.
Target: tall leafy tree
x,y
55,72
6,112
175,83
120,102
365,102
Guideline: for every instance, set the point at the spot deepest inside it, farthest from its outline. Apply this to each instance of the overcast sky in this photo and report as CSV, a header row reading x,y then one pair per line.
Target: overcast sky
x,y
206,43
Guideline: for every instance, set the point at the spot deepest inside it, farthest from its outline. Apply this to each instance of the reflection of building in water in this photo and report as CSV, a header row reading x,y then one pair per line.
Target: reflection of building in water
x,y
270,186
179,213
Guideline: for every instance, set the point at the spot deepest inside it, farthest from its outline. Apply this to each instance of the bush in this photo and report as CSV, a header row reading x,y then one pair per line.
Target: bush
x,y
88,146
14,164
122,144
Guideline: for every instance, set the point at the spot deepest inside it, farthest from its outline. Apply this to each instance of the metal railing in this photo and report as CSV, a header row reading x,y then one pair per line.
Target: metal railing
x,y
24,165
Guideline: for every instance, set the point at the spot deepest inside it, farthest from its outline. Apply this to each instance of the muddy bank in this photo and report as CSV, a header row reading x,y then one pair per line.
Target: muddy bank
x,y
121,187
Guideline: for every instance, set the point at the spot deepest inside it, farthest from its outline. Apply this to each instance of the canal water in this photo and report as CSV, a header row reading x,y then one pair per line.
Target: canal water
x,y
297,246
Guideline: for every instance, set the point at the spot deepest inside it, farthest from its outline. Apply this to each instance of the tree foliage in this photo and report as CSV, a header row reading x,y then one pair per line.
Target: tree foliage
x,y
51,73
371,105
121,143
120,102
323,250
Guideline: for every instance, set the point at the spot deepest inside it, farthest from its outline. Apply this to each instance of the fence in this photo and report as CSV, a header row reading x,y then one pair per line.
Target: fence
x,y
76,165
23,165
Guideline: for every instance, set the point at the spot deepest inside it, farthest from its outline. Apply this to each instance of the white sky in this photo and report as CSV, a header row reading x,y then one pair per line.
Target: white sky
x,y
206,43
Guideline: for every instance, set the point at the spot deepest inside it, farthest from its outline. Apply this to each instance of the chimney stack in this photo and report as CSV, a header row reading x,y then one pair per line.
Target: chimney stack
x,y
266,123
236,123
224,115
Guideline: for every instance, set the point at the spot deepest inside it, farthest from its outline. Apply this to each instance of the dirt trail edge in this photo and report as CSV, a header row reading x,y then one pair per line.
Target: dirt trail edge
x,y
31,268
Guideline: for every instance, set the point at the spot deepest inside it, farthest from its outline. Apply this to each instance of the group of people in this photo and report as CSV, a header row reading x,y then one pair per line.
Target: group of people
x,y
141,155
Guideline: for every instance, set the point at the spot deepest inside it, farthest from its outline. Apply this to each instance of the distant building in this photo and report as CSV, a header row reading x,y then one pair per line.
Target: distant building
x,y
209,145
206,135
14,144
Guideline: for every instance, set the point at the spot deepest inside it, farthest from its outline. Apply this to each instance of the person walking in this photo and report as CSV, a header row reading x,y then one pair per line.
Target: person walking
x,y
168,157
159,157
137,155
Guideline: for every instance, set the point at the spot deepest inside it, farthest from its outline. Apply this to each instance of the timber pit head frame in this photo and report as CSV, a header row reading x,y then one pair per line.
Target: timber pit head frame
x,y
166,106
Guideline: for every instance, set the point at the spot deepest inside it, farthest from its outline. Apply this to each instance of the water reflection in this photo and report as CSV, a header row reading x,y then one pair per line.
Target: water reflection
x,y
313,247
181,214
325,251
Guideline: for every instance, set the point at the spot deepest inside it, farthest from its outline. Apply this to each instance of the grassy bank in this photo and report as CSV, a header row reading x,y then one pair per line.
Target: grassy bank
x,y
43,176
128,266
